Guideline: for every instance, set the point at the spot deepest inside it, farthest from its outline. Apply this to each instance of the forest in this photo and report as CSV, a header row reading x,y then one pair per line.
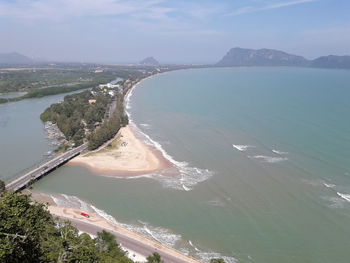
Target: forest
x,y
75,115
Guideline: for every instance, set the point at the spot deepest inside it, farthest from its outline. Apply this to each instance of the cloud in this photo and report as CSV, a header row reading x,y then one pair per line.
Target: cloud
x,y
268,6
284,4
159,17
62,9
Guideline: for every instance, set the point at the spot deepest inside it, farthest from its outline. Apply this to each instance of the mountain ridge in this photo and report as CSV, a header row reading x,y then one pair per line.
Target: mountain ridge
x,y
149,61
14,58
239,57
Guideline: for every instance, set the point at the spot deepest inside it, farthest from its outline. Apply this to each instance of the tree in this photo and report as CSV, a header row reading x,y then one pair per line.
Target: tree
x,y
154,258
109,248
2,187
21,228
217,260
29,234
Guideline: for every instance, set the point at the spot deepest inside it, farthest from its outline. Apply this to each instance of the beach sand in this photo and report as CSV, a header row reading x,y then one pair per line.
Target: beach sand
x,y
126,155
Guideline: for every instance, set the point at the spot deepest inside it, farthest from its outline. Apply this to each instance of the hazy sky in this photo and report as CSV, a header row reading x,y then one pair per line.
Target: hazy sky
x,y
176,31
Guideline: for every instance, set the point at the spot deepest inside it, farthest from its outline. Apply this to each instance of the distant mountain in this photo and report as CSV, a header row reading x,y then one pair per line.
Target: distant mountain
x,y
14,59
150,61
261,57
331,62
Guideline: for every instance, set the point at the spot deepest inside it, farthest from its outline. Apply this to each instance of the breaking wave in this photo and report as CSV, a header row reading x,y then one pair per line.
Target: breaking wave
x,y
160,234
344,196
241,148
145,125
189,176
329,185
207,256
279,152
268,159
72,201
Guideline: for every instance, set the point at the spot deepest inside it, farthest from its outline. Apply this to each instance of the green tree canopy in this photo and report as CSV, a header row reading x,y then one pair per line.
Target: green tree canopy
x,y
29,234
154,258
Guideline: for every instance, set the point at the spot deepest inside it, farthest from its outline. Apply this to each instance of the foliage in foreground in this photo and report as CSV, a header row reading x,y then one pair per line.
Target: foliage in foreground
x,y
29,233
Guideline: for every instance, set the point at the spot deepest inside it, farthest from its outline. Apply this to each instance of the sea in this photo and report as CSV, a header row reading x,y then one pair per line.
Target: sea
x,y
263,155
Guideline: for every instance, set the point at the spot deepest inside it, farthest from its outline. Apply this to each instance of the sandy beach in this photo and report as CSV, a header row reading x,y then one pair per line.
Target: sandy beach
x,y
126,155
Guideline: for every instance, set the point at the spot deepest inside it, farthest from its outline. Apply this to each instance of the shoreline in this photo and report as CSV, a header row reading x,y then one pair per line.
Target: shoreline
x,y
125,155
123,234
117,159
136,245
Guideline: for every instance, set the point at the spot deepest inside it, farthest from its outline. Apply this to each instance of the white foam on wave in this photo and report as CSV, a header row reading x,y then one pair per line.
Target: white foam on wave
x,y
72,201
127,100
192,245
344,196
104,214
242,147
171,239
160,234
279,152
145,125
207,256
58,201
329,185
268,159
189,176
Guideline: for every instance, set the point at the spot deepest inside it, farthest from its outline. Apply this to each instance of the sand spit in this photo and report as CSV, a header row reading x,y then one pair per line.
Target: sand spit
x,y
126,155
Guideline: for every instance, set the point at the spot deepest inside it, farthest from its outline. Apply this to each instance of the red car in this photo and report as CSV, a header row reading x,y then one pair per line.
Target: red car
x,y
85,215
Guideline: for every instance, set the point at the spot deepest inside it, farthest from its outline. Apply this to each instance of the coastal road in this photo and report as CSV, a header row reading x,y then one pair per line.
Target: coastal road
x,y
141,246
21,182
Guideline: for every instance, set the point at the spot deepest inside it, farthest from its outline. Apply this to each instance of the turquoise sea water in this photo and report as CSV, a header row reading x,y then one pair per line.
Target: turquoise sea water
x,y
264,157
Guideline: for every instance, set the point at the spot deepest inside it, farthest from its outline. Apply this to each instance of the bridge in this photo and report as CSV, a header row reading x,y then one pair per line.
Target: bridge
x,y
35,174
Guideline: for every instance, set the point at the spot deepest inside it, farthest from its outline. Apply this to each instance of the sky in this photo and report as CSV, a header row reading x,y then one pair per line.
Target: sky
x,y
172,31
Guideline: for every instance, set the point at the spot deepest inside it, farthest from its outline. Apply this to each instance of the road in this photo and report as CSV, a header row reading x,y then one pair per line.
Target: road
x,y
144,248
23,181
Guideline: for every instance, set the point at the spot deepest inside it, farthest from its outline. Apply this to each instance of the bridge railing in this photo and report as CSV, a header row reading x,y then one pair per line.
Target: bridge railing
x,y
37,173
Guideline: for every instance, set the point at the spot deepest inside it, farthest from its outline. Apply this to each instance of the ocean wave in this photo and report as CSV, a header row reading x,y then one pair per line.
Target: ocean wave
x,y
104,214
160,234
344,196
72,201
145,125
207,256
329,185
189,176
334,202
127,100
279,152
216,202
268,159
195,248
242,147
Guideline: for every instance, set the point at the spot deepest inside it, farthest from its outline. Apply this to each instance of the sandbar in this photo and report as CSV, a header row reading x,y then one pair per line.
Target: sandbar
x,y
126,155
